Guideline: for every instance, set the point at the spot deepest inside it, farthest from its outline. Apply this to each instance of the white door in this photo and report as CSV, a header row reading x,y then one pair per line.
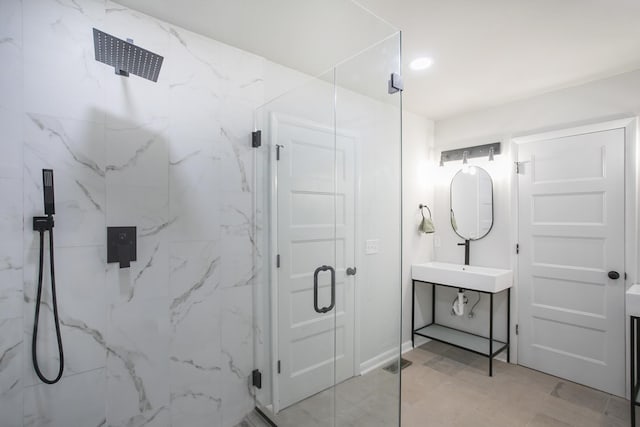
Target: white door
x,y
571,234
315,197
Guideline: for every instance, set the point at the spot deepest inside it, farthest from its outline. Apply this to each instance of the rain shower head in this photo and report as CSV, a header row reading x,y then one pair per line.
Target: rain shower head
x,y
126,57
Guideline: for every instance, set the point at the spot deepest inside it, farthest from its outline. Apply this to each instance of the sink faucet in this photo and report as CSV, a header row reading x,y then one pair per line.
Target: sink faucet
x,y
466,251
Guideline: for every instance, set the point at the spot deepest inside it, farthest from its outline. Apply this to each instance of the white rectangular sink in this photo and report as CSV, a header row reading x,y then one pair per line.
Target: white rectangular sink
x,y
632,300
483,279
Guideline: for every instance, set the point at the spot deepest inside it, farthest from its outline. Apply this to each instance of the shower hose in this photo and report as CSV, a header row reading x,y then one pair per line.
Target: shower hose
x,y
34,352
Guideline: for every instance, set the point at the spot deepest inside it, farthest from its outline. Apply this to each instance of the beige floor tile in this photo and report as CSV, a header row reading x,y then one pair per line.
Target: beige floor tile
x,y
542,420
581,395
419,355
618,408
570,413
445,365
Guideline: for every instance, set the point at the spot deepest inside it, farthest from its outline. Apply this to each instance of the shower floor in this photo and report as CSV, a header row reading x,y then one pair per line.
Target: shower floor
x,y
369,400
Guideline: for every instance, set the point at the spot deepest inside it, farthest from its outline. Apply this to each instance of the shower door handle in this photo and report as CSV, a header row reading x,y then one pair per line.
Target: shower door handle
x,y
315,289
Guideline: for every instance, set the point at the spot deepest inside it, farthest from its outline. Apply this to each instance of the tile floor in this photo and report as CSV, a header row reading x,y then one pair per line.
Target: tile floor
x,y
446,386
449,387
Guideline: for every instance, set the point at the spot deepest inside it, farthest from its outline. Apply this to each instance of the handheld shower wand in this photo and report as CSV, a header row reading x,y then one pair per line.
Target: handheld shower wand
x,y
42,224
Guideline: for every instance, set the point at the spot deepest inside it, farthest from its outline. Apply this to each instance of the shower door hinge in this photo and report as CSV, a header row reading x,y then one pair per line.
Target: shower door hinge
x,y
517,248
517,329
256,378
278,147
256,139
278,261
278,366
395,83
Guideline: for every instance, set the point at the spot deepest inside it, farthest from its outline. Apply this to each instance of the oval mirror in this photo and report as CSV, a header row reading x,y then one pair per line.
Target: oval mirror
x,y
472,203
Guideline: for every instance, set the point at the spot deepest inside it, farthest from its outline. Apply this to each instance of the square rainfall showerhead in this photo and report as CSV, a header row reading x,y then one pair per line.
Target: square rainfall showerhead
x,y
126,57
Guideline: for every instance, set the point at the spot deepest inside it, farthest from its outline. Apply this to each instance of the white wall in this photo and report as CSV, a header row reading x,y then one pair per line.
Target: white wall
x,y
593,102
418,174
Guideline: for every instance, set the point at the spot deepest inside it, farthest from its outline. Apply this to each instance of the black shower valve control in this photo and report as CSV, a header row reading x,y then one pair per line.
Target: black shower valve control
x,y
121,245
42,223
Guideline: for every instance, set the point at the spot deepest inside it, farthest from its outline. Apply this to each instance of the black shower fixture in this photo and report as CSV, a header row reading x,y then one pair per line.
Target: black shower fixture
x,y
126,57
43,224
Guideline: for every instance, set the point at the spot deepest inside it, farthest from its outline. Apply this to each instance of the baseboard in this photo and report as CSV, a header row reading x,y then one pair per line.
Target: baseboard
x,y
407,346
384,358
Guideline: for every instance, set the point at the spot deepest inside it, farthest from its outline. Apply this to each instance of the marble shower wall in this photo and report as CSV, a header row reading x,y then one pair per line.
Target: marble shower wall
x,y
169,341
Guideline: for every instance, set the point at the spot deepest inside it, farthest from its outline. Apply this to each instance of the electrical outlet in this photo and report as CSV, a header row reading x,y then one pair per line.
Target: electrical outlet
x,y
372,247
436,241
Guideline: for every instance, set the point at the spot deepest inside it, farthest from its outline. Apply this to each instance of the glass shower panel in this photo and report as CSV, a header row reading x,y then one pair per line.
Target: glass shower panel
x,y
368,125
299,264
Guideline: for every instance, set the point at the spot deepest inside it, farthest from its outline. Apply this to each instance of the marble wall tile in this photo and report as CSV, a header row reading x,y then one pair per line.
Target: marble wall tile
x,y
11,248
11,160
77,400
196,361
195,180
80,288
205,82
138,155
237,262
137,364
61,76
11,348
237,157
194,283
230,73
11,55
75,151
237,349
239,239
196,396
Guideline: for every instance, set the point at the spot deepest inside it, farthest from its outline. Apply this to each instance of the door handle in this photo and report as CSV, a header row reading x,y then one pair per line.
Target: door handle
x,y
613,275
315,289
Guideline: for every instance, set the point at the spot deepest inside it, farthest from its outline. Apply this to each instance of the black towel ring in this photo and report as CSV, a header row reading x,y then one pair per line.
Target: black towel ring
x,y
422,212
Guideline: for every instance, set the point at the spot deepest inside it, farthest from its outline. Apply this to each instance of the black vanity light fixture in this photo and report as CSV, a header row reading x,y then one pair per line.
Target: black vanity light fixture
x,y
466,153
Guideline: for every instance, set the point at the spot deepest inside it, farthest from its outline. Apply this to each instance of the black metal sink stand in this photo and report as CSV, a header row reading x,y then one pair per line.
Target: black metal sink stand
x,y
478,344
634,349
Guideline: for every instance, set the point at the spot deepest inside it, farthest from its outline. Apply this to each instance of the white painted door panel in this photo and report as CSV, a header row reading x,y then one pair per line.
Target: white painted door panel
x,y
315,196
571,234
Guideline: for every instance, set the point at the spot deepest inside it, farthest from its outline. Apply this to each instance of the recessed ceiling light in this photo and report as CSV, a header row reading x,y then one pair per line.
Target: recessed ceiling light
x,y
421,63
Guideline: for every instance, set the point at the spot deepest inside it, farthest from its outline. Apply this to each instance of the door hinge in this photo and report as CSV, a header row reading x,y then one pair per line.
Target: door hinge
x,y
517,329
256,139
278,147
517,167
279,366
625,275
395,83
256,378
278,261
517,248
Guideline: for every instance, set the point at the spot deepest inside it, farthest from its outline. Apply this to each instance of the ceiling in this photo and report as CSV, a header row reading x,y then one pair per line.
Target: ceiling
x,y
485,52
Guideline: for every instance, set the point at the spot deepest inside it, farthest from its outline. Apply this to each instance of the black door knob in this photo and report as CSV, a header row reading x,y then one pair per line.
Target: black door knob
x,y
614,275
